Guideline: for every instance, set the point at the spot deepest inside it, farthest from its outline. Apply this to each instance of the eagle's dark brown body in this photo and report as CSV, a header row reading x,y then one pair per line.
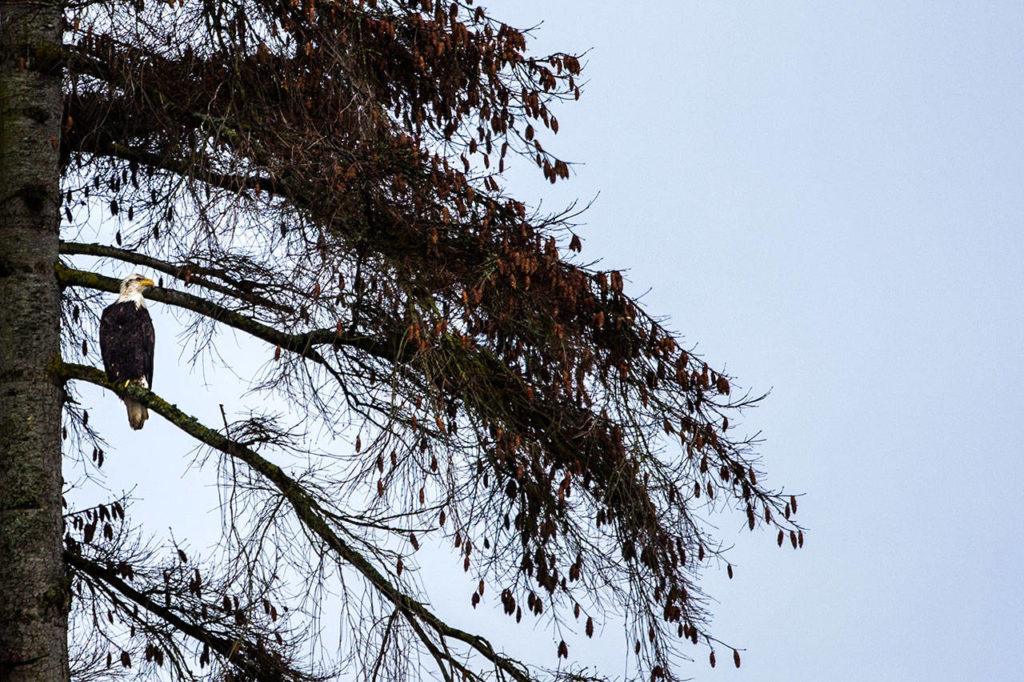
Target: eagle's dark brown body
x,y
127,339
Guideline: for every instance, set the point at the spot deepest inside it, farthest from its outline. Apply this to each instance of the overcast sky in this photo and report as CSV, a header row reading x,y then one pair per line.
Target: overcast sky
x,y
826,197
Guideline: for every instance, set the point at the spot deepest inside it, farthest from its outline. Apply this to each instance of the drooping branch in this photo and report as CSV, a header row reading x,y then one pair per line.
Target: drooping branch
x,y
307,510
245,656
580,441
528,411
328,140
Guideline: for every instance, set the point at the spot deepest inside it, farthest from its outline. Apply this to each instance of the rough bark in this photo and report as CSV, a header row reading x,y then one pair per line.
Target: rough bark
x,y
33,589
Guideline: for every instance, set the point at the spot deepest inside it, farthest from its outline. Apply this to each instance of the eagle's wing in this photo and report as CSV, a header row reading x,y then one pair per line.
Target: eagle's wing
x,y
126,343
147,341
109,330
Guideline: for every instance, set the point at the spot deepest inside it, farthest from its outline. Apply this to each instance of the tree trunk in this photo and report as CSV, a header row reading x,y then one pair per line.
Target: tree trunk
x,y
34,594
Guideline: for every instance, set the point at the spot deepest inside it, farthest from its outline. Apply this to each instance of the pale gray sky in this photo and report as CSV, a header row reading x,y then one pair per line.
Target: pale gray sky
x,y
827,198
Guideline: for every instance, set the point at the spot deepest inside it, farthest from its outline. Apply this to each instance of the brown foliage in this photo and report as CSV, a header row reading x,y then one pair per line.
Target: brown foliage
x,y
354,149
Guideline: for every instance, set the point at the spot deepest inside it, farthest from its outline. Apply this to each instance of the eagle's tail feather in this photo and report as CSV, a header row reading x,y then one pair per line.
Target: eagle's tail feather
x,y
137,413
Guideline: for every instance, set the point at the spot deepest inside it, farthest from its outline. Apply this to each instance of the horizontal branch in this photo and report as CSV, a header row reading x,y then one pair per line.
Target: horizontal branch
x,y
232,182
297,343
306,509
190,273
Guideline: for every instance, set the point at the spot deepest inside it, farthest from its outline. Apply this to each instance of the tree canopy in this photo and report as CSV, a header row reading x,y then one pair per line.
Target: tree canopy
x,y
326,177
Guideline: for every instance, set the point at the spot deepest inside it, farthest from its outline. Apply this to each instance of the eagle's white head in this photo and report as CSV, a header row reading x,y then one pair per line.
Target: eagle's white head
x,y
132,287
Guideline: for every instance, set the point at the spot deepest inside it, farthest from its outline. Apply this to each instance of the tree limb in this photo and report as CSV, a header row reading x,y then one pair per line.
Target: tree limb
x,y
243,655
306,508
187,272
296,343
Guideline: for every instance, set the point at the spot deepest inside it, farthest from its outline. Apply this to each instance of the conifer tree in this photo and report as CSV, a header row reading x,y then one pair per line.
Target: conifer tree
x,y
325,177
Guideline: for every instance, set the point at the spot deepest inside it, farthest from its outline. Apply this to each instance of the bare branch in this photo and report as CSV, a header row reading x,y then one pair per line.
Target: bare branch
x,y
306,509
190,273
246,656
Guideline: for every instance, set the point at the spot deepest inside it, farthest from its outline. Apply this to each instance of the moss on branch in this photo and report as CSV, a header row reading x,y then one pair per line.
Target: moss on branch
x,y
306,508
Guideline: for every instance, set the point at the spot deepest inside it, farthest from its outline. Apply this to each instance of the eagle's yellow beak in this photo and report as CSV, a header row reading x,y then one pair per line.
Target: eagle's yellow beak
x,y
147,283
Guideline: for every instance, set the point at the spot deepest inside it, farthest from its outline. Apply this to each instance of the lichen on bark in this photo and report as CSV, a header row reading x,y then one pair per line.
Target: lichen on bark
x,y
34,596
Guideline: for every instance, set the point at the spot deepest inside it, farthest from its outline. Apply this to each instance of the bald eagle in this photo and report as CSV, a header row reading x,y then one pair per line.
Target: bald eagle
x,y
126,343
